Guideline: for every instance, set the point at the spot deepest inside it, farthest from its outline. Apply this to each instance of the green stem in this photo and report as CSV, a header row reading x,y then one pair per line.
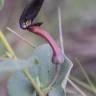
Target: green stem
x,y
6,44
25,71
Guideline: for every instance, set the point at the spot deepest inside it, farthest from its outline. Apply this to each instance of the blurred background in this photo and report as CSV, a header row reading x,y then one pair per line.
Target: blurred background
x,y
79,32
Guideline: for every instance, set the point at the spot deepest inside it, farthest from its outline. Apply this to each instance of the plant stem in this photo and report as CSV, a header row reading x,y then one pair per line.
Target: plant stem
x,y
86,86
21,37
25,71
60,30
76,87
85,74
6,44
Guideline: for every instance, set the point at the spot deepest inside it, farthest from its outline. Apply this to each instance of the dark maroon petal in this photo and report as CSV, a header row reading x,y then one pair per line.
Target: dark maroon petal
x,y
31,11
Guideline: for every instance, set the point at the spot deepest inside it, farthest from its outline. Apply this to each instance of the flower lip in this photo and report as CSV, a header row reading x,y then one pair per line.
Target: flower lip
x,y
29,13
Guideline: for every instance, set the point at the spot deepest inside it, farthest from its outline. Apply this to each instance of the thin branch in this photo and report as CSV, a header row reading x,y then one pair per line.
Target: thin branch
x,y
82,84
85,74
60,30
21,37
76,87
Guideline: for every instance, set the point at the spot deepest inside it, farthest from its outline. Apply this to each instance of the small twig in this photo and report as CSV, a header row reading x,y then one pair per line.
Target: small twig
x,y
6,44
21,37
60,30
85,74
84,85
76,87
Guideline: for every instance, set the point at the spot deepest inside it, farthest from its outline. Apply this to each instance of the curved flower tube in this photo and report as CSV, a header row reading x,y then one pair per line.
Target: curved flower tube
x,y
57,57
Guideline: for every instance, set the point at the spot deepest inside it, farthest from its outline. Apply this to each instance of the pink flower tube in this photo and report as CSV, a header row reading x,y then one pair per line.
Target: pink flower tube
x,y
57,57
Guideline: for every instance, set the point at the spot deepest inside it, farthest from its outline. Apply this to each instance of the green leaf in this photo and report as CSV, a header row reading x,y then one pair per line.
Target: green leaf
x,y
57,92
18,85
47,70
10,65
1,4
42,68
